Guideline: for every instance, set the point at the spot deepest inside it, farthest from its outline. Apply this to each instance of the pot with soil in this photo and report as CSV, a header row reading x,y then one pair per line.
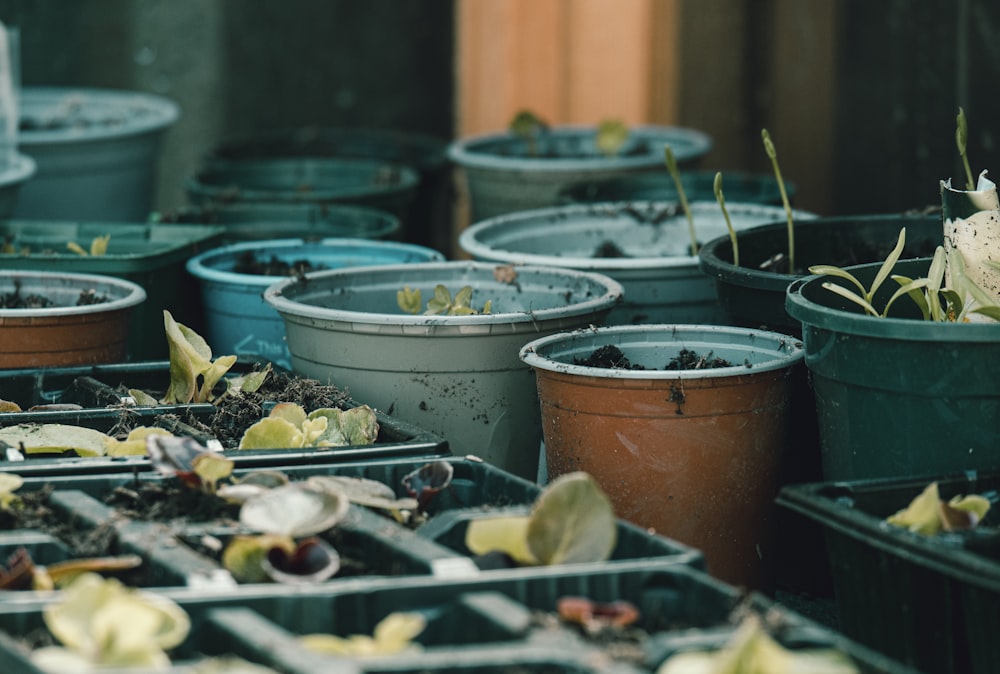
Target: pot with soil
x,y
96,151
55,318
507,172
256,221
746,188
752,294
306,180
645,246
429,214
234,277
453,370
685,427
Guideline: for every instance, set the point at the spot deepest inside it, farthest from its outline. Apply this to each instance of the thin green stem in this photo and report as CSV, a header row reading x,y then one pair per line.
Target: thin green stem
x,y
719,197
962,141
668,155
773,154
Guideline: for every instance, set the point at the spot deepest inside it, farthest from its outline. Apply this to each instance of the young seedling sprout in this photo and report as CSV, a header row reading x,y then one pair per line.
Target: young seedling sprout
x,y
725,213
668,154
962,140
773,154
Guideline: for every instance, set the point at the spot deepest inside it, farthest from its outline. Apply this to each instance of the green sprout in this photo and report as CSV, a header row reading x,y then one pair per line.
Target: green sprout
x,y
442,304
193,373
668,155
962,140
289,426
773,154
611,136
929,514
530,127
725,213
98,246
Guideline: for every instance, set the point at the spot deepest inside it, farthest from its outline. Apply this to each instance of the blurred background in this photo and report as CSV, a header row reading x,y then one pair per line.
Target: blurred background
x,y
859,97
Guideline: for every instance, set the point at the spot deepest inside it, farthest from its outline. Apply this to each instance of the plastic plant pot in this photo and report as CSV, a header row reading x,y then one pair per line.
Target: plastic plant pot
x,y
505,176
429,215
753,297
456,376
12,180
152,255
897,396
696,454
238,321
362,182
96,151
256,221
65,333
747,188
645,246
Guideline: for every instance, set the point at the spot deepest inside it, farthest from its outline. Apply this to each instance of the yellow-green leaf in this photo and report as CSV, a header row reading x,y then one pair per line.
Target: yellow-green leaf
x,y
243,556
572,521
135,443
921,515
500,534
272,433
409,300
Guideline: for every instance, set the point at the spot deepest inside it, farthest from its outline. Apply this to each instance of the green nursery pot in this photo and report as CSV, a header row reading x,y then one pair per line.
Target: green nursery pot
x,y
897,396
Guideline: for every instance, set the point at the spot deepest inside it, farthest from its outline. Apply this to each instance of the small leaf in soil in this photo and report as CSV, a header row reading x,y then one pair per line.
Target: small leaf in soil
x,y
409,300
594,616
55,438
193,373
210,467
295,509
176,457
426,481
928,514
506,535
312,560
244,555
18,572
393,635
135,443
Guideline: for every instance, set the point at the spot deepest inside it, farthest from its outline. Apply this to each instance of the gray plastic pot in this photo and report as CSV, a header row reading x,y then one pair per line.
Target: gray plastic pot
x,y
12,179
662,281
96,152
504,176
238,321
457,376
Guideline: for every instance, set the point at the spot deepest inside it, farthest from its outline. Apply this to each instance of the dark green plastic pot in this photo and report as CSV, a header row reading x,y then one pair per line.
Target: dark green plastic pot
x,y
755,298
897,396
746,188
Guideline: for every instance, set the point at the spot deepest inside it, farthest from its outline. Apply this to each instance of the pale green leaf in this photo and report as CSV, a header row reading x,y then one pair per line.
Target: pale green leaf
x,y
272,433
500,534
572,521
55,438
848,294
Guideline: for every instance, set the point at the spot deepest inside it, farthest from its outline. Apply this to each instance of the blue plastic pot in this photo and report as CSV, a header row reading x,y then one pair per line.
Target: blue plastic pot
x,y
238,321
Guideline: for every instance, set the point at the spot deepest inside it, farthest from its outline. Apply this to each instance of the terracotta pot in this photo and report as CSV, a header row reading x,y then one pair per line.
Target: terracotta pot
x,y
66,334
694,454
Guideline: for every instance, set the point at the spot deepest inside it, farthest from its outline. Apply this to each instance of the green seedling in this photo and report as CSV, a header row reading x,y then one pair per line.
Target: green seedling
x,y
393,635
193,373
289,426
102,623
928,514
442,304
772,153
572,521
530,127
98,246
187,460
962,141
611,136
671,160
720,197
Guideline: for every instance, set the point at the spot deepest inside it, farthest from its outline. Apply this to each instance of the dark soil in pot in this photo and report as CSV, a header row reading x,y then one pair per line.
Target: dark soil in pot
x,y
611,357
248,263
16,300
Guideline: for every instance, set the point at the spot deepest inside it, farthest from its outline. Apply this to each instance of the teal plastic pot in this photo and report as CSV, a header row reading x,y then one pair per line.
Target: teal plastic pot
x,y
504,175
256,221
746,188
96,152
12,179
754,297
429,214
457,376
899,396
361,182
238,321
661,278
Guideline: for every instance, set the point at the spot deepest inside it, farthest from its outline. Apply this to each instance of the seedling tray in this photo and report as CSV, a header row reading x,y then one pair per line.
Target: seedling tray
x,y
95,388
175,554
500,622
152,255
932,601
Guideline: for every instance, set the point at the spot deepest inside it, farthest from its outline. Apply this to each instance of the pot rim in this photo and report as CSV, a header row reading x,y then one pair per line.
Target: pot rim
x,y
786,350
688,144
159,112
471,239
201,267
815,315
134,293
274,295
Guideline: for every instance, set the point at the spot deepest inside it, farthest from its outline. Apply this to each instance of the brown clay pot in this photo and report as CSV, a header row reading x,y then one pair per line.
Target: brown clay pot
x,y
66,333
694,454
